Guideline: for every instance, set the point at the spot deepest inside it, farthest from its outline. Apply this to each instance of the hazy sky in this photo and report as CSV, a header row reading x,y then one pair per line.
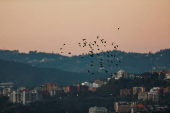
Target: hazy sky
x,y
44,25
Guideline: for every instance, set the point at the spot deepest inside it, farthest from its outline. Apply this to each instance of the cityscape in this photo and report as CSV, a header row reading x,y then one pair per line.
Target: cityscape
x,y
84,56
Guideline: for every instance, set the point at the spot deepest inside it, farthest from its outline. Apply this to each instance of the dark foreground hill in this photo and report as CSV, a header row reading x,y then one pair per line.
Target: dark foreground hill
x,y
26,75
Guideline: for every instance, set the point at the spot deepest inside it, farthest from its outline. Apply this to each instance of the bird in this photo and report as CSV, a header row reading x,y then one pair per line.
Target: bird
x,y
88,71
118,28
98,49
104,45
112,43
60,48
117,45
83,39
97,45
111,61
97,37
119,61
92,73
69,53
117,64
91,64
104,41
79,43
107,55
95,42
91,55
91,51
98,54
64,44
61,52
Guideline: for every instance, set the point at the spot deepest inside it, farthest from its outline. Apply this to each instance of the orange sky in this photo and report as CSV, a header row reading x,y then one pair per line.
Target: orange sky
x,y
44,25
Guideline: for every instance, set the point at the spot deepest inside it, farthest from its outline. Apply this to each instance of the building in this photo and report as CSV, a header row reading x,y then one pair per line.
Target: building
x,y
153,96
15,97
25,96
92,85
98,110
54,91
143,96
137,90
166,90
123,74
158,90
124,92
108,79
82,88
98,82
7,91
48,86
72,89
124,106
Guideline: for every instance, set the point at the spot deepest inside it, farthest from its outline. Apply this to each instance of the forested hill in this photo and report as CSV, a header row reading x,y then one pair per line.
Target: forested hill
x,y
26,75
130,62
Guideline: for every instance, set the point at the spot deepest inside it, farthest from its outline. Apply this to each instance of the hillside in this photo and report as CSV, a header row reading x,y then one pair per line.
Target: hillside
x,y
26,75
131,62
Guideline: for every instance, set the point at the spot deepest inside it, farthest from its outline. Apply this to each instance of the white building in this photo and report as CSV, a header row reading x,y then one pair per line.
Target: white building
x,y
98,110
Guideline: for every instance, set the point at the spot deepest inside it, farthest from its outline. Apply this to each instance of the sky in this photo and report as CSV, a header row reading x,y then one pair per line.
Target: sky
x,y
45,25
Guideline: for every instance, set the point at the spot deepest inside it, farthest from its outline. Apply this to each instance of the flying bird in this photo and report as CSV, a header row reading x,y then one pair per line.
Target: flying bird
x,y
95,42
